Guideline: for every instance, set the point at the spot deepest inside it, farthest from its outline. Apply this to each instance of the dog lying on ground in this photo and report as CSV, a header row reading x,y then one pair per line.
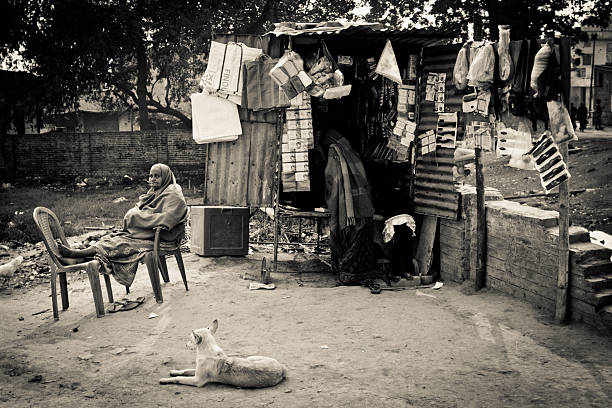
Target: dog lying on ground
x,y
213,365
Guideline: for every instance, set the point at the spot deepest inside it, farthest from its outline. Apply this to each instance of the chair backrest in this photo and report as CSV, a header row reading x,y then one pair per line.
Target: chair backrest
x,y
46,221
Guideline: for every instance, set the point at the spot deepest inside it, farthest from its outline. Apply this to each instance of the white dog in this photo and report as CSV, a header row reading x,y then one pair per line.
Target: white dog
x,y
213,365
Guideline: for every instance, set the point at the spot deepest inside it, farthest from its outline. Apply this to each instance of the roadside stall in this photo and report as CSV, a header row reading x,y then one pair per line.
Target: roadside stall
x,y
412,107
360,81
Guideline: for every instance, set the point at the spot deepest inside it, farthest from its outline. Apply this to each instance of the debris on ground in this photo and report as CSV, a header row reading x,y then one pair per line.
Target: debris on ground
x,y
258,285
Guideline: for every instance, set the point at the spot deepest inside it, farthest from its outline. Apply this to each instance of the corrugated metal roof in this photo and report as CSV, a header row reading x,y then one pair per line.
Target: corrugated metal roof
x,y
371,31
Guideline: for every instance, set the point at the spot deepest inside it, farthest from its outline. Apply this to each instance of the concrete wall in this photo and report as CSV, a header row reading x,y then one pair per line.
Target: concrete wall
x,y
103,154
522,257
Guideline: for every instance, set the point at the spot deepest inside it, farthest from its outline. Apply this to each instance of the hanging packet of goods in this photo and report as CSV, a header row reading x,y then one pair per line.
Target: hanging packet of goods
x,y
549,162
224,74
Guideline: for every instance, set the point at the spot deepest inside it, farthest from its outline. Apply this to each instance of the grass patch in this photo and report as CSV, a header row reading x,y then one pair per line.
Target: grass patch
x,y
75,208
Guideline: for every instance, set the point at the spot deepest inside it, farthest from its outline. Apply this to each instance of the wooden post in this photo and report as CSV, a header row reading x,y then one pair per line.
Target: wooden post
x,y
563,271
480,277
481,223
427,236
276,194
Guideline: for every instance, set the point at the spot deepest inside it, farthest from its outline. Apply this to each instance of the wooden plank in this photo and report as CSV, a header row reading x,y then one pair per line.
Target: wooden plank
x,y
427,237
563,273
262,160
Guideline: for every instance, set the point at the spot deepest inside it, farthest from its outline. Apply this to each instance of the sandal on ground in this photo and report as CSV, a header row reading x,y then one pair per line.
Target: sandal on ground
x,y
374,288
125,306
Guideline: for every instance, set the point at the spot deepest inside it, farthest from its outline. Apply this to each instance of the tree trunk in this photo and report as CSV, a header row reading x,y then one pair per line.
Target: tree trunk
x,y
141,85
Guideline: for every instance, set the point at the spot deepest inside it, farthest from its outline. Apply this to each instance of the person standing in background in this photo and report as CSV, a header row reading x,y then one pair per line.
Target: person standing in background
x,y
597,116
573,114
582,116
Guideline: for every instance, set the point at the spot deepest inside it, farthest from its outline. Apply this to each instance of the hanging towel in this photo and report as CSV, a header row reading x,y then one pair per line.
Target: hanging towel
x,y
214,119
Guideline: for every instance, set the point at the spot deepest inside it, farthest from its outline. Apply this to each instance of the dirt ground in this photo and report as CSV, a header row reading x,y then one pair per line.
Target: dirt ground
x,y
342,345
590,165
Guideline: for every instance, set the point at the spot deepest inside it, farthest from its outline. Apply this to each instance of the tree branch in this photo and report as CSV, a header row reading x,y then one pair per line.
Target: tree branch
x,y
167,110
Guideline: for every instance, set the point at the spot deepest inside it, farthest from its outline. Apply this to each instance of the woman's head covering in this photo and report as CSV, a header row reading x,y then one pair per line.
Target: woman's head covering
x,y
167,179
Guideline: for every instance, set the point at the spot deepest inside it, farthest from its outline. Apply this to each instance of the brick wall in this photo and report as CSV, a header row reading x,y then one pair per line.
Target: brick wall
x,y
103,154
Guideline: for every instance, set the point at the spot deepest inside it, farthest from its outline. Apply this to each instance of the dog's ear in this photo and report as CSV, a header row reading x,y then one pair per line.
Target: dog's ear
x,y
196,337
213,326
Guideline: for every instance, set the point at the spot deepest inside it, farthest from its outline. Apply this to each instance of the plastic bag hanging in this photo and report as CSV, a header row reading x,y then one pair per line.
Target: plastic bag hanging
x,y
540,62
506,69
561,126
481,69
387,64
461,68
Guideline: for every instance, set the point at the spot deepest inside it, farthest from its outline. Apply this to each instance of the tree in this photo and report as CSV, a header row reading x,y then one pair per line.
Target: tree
x,y
122,51
526,18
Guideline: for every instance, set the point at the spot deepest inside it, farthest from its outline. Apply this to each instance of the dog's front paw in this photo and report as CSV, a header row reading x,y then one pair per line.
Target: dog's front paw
x,y
166,380
175,373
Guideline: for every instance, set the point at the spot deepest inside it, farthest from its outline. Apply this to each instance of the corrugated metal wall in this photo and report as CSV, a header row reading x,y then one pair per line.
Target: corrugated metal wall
x,y
241,173
434,189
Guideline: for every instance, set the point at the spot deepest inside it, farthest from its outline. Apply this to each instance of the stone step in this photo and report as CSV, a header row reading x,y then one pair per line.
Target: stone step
x,y
593,268
577,234
587,251
602,298
599,282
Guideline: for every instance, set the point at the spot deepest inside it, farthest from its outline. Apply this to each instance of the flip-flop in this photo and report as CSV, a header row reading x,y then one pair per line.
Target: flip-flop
x,y
125,306
115,307
132,304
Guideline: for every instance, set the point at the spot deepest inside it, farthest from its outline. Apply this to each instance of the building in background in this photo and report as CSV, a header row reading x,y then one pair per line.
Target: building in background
x,y
592,72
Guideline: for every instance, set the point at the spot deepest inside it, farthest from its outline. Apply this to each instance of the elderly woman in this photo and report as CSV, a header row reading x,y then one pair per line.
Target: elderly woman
x,y
163,205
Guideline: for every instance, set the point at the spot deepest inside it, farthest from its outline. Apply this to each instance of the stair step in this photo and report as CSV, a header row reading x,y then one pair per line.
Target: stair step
x,y
592,268
599,282
577,234
587,251
602,298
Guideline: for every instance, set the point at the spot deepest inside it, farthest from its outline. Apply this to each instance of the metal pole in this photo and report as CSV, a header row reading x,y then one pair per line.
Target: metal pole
x,y
593,38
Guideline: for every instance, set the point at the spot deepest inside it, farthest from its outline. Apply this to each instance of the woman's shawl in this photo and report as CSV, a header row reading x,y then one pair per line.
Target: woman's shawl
x,y
168,210
344,173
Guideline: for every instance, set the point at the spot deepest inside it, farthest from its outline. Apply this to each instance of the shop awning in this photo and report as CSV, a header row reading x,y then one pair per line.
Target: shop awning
x,y
367,31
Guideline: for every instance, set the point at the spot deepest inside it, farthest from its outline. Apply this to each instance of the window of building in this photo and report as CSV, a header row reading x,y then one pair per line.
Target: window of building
x,y
581,72
586,59
609,53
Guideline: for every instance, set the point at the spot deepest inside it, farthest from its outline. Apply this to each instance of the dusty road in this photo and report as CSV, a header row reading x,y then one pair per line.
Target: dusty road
x,y
425,348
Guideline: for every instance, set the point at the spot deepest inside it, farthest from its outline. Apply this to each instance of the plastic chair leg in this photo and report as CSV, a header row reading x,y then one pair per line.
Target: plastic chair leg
x,y
92,269
164,268
154,276
181,265
109,288
54,290
64,290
